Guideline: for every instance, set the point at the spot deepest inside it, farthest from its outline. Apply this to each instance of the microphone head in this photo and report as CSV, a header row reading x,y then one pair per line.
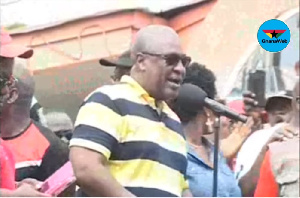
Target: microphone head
x,y
190,97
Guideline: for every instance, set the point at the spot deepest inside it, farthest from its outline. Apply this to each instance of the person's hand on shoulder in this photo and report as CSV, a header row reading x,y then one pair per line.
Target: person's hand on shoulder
x,y
283,133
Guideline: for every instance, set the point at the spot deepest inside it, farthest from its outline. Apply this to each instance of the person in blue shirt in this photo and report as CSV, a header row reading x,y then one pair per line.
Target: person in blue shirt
x,y
196,124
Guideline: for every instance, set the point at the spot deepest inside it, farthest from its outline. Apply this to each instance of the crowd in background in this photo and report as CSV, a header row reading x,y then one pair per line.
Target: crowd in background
x,y
131,137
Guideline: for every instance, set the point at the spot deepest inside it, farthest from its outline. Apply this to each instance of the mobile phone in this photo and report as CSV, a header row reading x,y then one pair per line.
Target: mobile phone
x,y
257,85
59,181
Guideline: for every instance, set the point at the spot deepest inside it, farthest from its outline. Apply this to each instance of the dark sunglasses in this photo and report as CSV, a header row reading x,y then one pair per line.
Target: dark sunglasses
x,y
172,58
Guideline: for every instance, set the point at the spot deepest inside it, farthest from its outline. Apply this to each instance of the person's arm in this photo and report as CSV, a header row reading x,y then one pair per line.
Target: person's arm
x,y
98,130
232,144
93,175
266,186
187,193
248,182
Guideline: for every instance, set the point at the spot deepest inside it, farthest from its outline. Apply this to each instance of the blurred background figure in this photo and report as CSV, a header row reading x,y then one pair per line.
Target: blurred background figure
x,y
297,68
122,65
279,173
278,108
59,123
36,110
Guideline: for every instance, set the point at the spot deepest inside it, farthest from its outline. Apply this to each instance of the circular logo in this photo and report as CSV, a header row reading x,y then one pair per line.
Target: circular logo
x,y
273,35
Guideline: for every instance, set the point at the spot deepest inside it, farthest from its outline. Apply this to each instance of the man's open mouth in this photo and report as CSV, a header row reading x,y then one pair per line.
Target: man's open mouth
x,y
175,81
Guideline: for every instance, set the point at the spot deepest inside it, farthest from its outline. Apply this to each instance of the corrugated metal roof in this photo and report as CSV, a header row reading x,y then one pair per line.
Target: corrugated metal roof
x,y
165,12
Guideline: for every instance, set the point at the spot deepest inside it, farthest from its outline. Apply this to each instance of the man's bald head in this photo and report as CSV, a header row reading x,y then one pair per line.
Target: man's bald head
x,y
25,83
159,61
156,39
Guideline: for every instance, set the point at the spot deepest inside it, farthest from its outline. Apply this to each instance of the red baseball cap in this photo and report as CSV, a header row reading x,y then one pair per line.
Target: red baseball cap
x,y
237,105
10,50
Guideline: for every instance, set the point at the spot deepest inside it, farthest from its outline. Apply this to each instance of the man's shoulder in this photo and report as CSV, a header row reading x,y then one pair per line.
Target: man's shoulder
x,y
285,146
113,92
255,140
256,136
48,134
252,146
262,134
42,129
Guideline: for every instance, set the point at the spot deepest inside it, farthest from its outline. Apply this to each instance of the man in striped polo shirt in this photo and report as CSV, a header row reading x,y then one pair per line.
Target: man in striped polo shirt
x,y
127,141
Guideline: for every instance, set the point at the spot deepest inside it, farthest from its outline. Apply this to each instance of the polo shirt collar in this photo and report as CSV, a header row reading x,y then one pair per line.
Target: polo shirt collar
x,y
143,93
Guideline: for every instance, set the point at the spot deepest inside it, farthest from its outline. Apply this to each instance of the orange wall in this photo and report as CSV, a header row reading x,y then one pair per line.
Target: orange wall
x,y
219,41
66,68
84,40
99,36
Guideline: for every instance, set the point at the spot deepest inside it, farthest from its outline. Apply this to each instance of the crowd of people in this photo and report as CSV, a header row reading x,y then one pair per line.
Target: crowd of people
x,y
131,137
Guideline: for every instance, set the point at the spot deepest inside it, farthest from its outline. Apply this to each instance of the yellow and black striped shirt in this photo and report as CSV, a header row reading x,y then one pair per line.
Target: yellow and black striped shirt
x,y
144,144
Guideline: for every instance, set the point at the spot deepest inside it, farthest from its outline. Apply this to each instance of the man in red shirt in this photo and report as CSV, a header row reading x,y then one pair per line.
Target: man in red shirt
x,y
7,177
8,52
279,175
46,153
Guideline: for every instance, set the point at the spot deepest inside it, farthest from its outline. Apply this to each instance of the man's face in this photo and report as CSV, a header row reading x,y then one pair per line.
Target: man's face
x,y
280,111
165,70
6,66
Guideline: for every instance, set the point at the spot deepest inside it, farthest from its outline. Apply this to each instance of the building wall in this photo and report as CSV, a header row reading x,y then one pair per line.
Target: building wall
x,y
65,62
228,31
64,88
217,34
84,40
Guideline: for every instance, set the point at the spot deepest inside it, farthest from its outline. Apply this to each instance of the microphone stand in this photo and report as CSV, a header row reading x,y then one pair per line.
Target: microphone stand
x,y
217,130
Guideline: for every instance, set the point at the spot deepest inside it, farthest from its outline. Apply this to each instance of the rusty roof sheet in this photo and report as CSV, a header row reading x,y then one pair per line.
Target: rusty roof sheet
x,y
165,12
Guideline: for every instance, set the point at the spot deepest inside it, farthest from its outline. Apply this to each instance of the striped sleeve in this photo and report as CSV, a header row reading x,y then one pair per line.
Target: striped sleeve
x,y
98,125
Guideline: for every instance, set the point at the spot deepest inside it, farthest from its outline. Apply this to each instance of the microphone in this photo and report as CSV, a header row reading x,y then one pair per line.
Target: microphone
x,y
193,98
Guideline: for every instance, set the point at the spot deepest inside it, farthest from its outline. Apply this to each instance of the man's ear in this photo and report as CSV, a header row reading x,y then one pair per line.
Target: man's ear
x,y
140,62
13,95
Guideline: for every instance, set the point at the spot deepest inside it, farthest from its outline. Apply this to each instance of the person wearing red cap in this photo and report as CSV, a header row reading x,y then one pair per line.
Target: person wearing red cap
x,y
9,51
